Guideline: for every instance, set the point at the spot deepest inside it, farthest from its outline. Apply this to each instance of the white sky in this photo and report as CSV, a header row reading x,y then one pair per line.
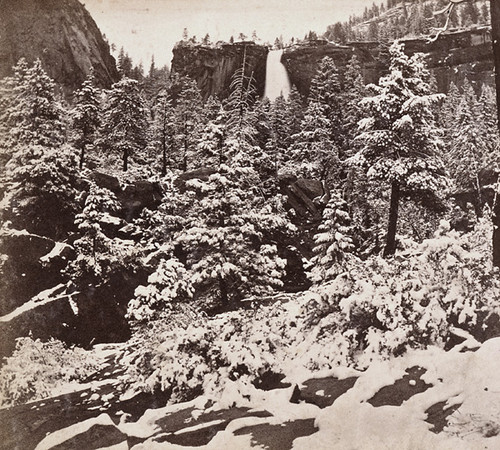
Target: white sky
x,y
146,27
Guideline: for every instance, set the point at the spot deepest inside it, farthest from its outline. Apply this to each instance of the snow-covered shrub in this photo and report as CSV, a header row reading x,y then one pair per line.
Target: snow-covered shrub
x,y
384,306
36,369
170,283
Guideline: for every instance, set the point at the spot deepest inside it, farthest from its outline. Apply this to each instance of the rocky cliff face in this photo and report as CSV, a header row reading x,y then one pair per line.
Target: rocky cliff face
x,y
451,57
59,32
212,68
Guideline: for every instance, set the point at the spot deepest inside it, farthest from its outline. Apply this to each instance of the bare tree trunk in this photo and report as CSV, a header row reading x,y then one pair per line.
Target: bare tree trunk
x,y
390,246
495,30
125,159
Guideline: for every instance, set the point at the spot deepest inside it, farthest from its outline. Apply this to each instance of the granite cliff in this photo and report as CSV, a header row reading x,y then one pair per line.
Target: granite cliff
x,y
451,57
213,67
59,32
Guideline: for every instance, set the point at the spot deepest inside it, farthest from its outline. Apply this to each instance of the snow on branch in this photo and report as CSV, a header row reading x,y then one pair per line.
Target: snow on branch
x,y
446,10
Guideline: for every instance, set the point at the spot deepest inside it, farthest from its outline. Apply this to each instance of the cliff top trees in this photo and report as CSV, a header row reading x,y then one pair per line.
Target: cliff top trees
x,y
399,136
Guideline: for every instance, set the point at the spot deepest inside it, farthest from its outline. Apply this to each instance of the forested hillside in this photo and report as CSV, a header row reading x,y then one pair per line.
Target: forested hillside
x,y
234,244
396,19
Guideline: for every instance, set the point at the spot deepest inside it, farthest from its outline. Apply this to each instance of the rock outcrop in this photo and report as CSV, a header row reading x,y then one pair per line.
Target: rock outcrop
x,y
59,32
451,57
213,67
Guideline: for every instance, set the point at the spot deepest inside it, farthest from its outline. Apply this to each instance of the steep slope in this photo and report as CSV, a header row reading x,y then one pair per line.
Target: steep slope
x,y
59,32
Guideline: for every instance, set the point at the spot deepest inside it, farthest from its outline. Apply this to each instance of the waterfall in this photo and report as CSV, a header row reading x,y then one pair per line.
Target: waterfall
x,y
277,81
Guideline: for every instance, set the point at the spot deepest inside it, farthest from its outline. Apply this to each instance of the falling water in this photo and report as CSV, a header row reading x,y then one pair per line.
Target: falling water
x,y
277,82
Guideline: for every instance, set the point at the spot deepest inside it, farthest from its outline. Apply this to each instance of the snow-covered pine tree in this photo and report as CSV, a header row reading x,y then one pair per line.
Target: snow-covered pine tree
x,y
124,124
399,136
7,104
163,129
43,185
326,90
468,151
332,241
313,152
354,91
224,235
168,285
223,239
86,115
94,247
35,115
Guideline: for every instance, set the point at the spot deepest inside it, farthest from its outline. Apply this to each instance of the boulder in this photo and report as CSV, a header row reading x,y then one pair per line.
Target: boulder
x,y
106,181
197,174
139,195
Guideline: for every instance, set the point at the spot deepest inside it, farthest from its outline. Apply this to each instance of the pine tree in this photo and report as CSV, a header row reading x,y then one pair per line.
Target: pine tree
x,y
124,123
186,99
86,116
35,115
332,241
168,285
326,90
43,187
468,152
163,130
224,237
313,152
354,91
399,136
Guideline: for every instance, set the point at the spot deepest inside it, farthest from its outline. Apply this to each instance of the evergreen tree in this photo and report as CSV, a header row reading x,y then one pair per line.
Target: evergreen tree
x,y
313,152
468,152
399,136
86,116
354,91
35,114
326,90
43,187
163,130
188,122
332,241
124,123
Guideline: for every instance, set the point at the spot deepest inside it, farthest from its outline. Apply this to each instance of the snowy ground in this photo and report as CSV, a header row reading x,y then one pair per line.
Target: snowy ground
x,y
425,399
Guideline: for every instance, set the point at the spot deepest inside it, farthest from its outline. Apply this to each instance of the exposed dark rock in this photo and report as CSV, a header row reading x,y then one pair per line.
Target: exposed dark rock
x,y
302,195
133,197
212,68
23,273
200,174
451,57
278,437
106,181
59,32
402,390
139,195
270,380
322,392
41,319
437,415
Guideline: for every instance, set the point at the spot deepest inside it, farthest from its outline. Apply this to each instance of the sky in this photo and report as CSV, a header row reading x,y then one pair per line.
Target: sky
x,y
152,27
